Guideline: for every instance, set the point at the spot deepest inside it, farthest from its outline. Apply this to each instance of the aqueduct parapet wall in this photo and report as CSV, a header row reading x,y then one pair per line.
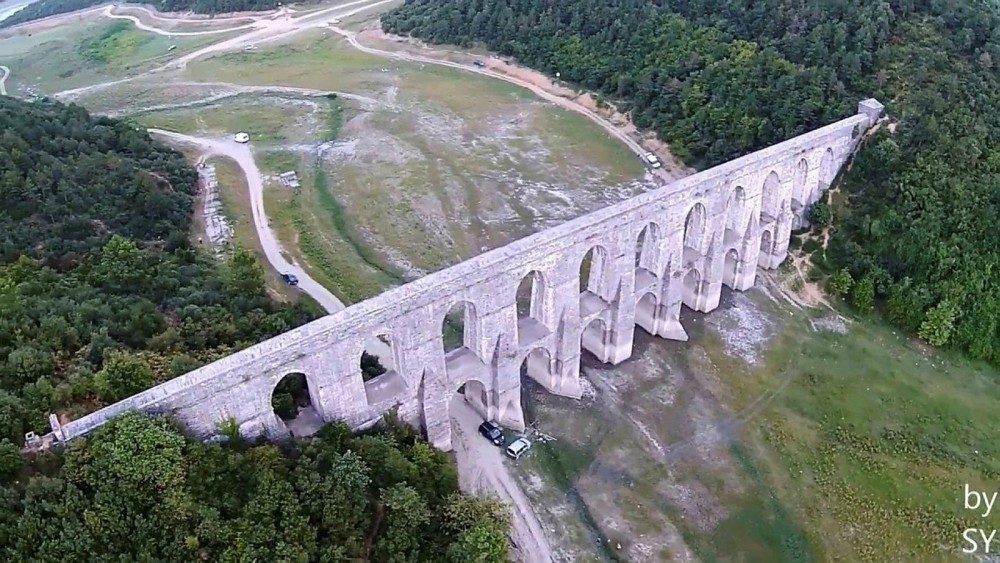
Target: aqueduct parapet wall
x,y
697,234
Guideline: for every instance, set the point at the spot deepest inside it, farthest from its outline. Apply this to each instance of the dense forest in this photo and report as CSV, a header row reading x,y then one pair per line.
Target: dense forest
x,y
138,490
46,8
102,296
102,293
720,78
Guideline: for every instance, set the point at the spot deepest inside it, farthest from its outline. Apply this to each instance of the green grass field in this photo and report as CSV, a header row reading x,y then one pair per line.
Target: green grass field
x,y
269,121
87,53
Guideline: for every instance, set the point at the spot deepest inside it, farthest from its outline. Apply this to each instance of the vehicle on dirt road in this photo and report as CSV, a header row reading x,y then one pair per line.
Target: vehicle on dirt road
x,y
479,63
518,447
492,433
290,279
652,160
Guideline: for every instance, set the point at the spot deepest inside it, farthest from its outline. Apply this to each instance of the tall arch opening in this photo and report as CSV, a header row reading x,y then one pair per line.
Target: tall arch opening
x,y
826,171
460,327
531,297
647,249
731,268
293,403
800,193
735,211
770,205
461,351
595,290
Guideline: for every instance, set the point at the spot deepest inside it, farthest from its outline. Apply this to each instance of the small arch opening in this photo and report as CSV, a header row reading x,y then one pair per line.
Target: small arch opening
x,y
594,339
382,380
826,171
474,392
292,402
731,268
646,312
692,287
766,248
800,193
537,363
531,298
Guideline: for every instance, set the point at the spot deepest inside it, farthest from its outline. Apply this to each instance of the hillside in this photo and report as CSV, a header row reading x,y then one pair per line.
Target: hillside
x,y
720,78
138,490
102,296
101,292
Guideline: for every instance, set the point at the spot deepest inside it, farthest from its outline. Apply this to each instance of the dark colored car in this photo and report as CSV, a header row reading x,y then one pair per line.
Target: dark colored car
x,y
290,279
492,433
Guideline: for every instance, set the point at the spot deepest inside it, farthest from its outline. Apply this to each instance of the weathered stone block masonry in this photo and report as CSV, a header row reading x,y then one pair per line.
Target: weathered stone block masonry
x,y
675,245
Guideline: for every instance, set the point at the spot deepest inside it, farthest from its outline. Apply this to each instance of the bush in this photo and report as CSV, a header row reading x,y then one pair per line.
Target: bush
x,y
820,214
863,294
937,325
840,283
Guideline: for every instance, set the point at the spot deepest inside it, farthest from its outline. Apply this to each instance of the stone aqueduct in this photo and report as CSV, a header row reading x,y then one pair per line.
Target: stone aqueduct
x,y
675,245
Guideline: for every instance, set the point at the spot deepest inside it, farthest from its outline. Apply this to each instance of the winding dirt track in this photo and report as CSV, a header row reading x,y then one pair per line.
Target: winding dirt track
x,y
109,13
3,80
241,154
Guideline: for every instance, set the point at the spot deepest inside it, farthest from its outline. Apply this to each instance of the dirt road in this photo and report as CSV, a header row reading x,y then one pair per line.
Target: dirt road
x,y
109,13
481,469
3,80
240,153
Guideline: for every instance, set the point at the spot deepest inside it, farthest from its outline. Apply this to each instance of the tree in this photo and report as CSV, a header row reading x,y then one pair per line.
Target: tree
x,y
841,282
820,214
370,366
937,326
863,294
480,544
405,514
10,459
123,375
244,275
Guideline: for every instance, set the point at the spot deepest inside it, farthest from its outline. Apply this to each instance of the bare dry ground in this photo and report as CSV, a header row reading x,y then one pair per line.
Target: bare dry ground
x,y
645,464
458,163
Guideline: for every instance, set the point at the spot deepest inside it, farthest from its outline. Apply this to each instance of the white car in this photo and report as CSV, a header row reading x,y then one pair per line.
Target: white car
x,y
517,448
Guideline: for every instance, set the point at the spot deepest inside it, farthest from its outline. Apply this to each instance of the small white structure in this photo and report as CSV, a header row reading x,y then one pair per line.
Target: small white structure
x,y
289,179
241,137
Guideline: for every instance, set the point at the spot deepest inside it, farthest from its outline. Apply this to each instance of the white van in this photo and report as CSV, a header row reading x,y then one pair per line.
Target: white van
x,y
517,448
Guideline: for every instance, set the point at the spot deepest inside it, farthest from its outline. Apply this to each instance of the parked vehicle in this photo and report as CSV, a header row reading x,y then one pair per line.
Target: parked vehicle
x,y
652,160
479,63
492,433
518,447
290,279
